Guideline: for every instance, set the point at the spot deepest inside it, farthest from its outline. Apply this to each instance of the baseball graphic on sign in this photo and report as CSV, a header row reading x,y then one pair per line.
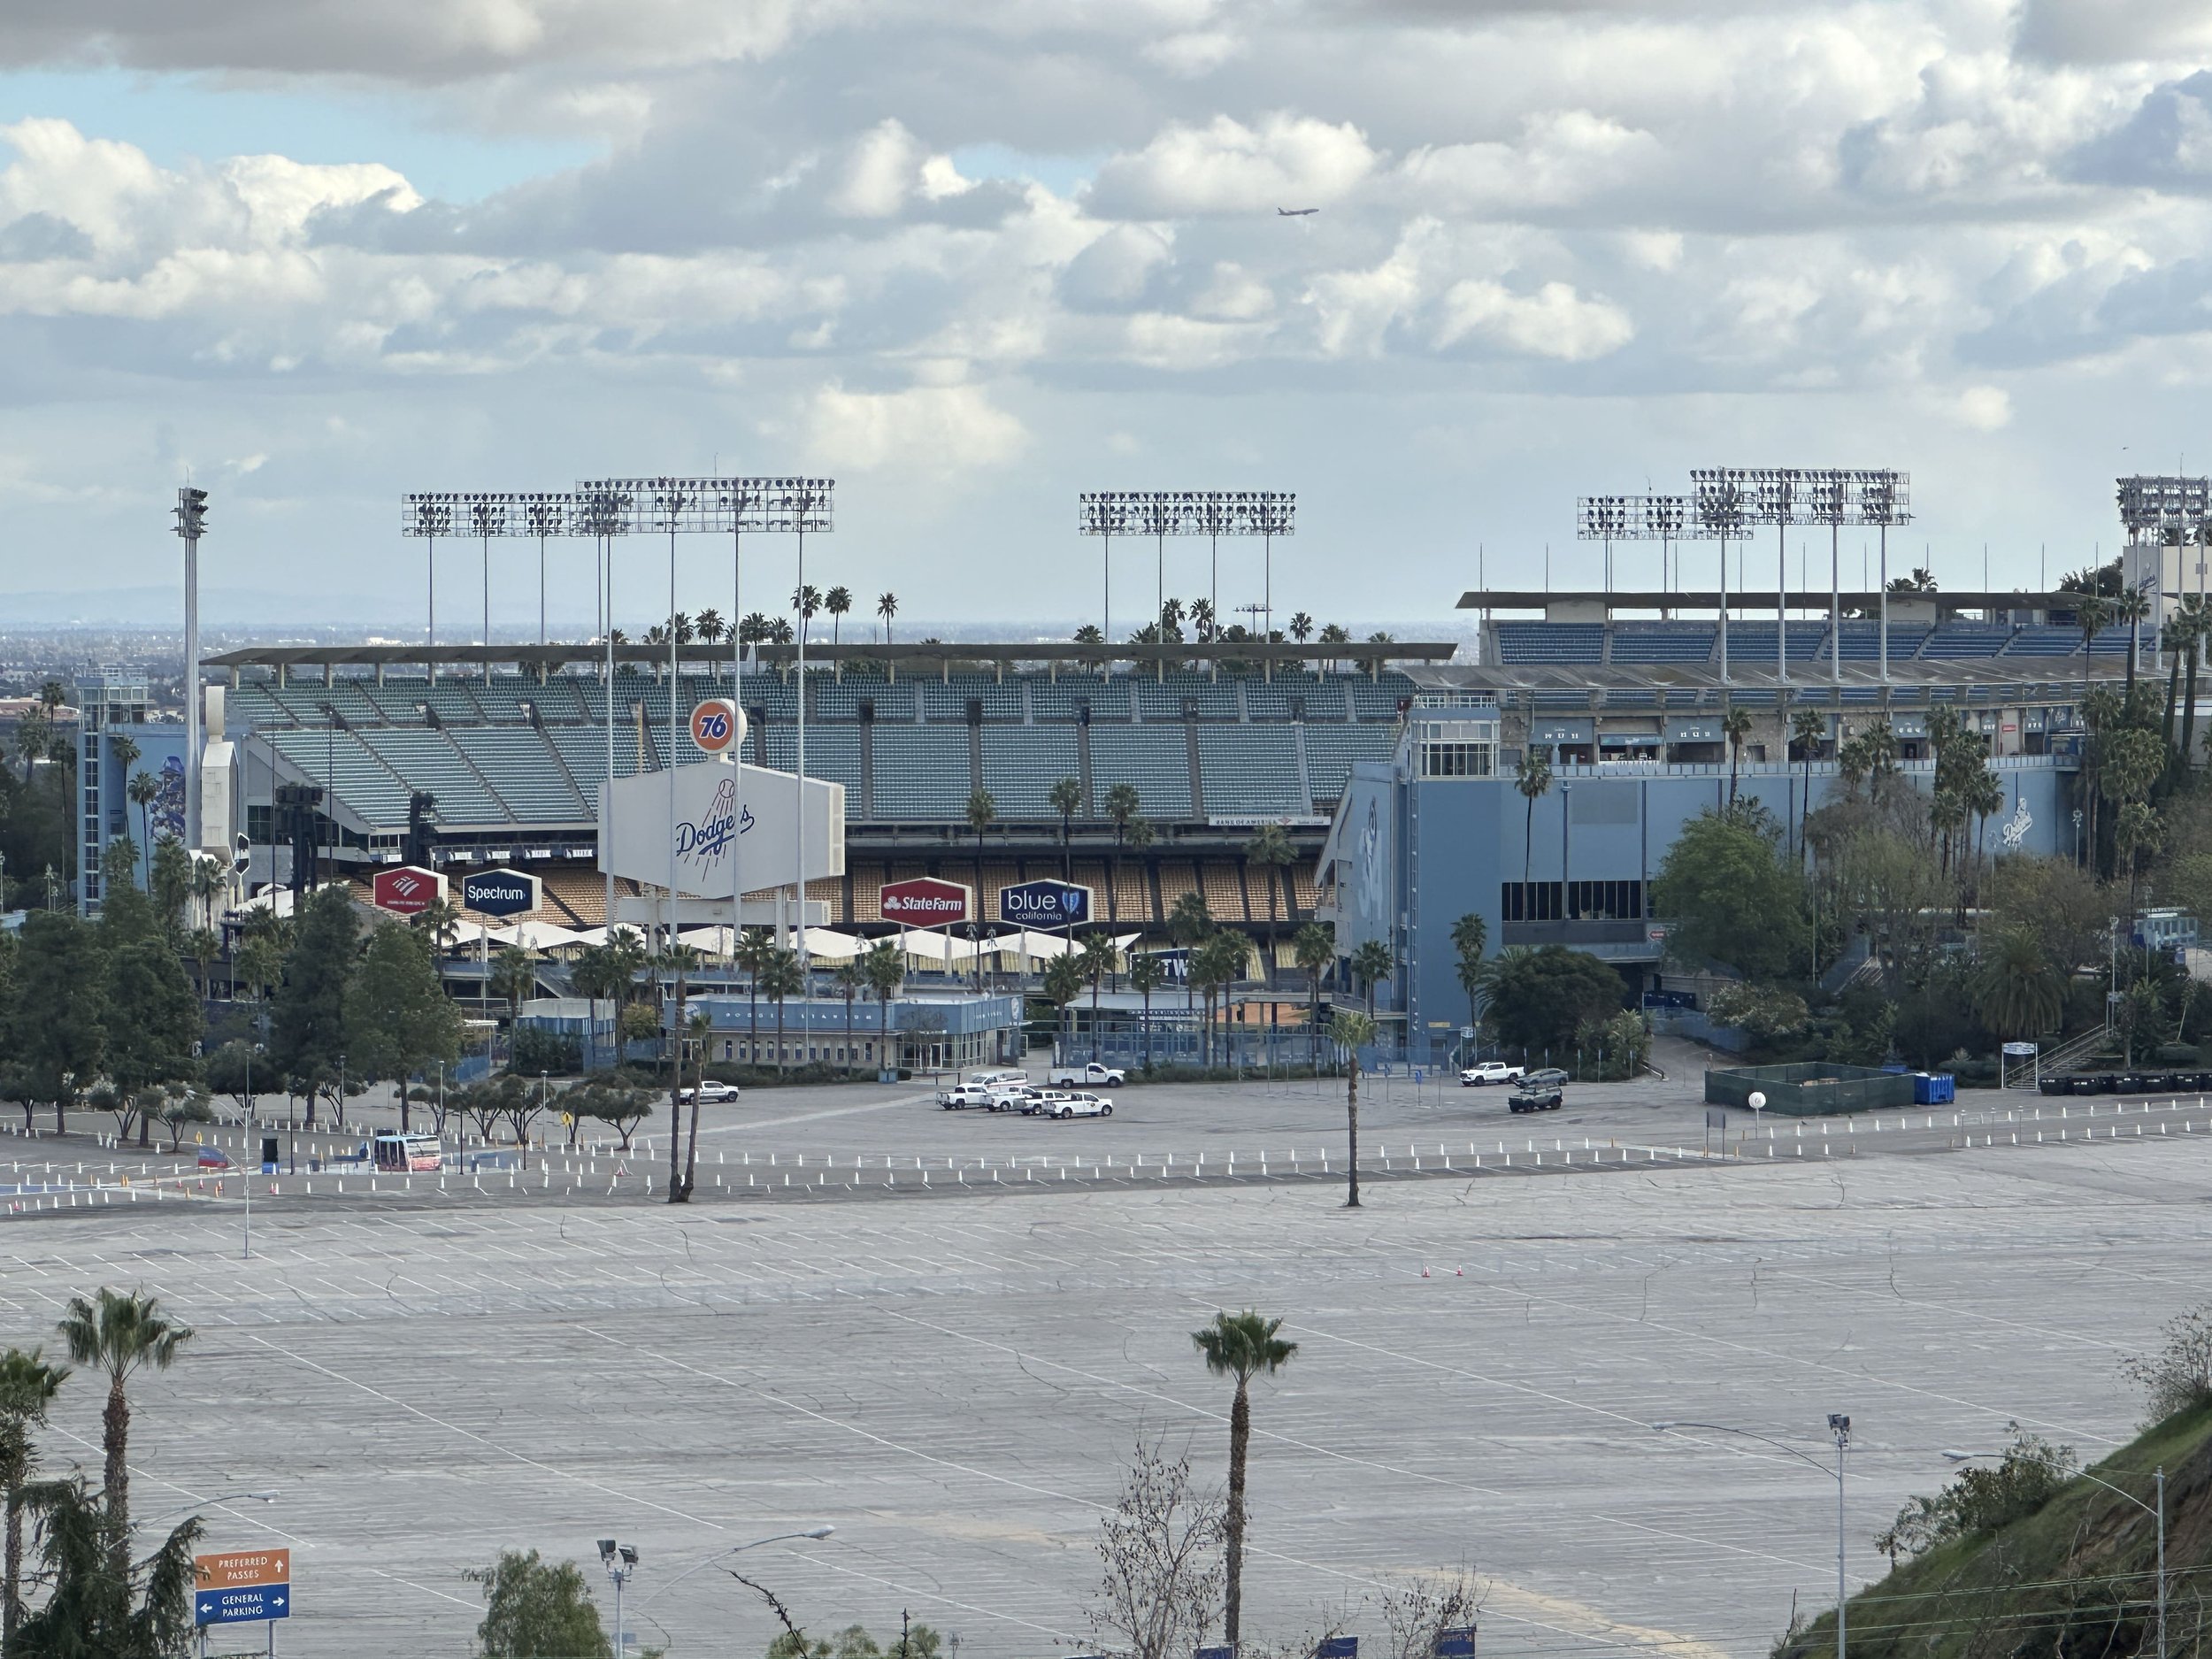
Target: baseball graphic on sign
x,y
717,726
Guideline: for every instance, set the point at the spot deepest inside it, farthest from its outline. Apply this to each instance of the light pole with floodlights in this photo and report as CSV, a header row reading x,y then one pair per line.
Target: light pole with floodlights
x,y
620,1560
824,1531
1840,1426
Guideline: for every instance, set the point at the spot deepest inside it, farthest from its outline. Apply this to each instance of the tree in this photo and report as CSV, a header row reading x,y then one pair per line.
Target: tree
x,y
535,1610
754,945
1351,1031
399,1022
2130,605
1735,725
2179,1377
1145,977
1065,797
886,607
1240,1346
1188,924
1271,850
27,1386
1062,984
1470,936
514,976
175,1109
2015,991
1807,726
1218,964
1532,779
142,791
99,1606
780,978
1371,960
621,1108
1731,898
1121,805
839,603
851,979
153,1019
57,1027
120,1333
981,811
1098,958
1314,949
885,968
1161,1547
307,1025
1538,997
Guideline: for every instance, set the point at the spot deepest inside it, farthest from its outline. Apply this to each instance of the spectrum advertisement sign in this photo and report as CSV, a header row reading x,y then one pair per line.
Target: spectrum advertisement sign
x,y
1045,904
501,893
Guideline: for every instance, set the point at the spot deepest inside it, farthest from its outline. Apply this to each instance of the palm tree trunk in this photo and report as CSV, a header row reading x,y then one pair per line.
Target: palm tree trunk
x,y
848,1035
11,1477
2189,710
1351,1129
1148,1029
115,1435
778,1001
1239,1442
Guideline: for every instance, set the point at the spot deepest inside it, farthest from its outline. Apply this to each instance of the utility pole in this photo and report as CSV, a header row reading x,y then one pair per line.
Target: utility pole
x,y
191,514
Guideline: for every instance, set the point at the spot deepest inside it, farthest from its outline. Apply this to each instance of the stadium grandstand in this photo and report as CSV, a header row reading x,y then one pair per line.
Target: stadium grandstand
x,y
495,760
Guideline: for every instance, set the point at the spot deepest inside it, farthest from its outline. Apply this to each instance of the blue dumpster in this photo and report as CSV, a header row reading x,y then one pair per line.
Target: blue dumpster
x,y
1939,1089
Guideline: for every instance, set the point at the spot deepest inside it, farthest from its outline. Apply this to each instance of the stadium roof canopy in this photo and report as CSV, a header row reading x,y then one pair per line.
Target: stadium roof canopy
x,y
931,654
1755,598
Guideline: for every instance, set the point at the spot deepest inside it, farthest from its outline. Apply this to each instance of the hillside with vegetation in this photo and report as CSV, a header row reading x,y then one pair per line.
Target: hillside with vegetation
x,y
2029,1557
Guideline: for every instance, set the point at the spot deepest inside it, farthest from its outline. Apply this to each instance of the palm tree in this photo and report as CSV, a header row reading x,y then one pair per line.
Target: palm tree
x,y
1271,850
1062,984
2015,990
1188,922
143,790
1242,1346
1099,958
1300,627
780,978
806,600
1735,725
1533,781
2130,605
1221,961
981,811
751,953
1470,937
514,976
850,978
1351,1031
1313,947
27,1386
709,625
1371,960
441,919
1066,798
120,1333
1145,974
1122,804
886,607
837,601
885,968
1807,726
2196,618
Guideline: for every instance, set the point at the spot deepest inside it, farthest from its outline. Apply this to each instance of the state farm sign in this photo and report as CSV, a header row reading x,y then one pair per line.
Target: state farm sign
x,y
407,891
925,901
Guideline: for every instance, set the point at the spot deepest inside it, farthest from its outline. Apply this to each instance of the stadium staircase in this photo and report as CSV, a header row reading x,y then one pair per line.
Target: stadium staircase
x,y
1197,785
2068,1056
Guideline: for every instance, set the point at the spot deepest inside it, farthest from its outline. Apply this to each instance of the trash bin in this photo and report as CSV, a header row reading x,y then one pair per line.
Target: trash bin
x,y
268,1155
1937,1088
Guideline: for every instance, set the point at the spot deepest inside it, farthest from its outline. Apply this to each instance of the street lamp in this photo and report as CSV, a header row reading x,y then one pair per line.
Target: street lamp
x,y
620,1560
1840,1426
2157,1512
823,1531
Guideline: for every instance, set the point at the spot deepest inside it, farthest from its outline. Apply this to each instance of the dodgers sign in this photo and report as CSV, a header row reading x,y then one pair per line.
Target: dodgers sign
x,y
500,893
730,826
1045,904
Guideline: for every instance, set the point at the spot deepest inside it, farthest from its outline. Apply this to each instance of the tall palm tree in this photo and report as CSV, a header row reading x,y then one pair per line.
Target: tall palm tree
x,y
707,625
850,978
1735,725
780,978
1313,947
2196,620
1099,958
885,968
2015,989
982,810
1371,960
1351,1031
143,790
1300,627
751,953
886,607
838,602
1807,726
1065,797
1121,804
1271,850
120,1333
27,1386
1188,924
1533,781
1145,974
2130,605
1241,1346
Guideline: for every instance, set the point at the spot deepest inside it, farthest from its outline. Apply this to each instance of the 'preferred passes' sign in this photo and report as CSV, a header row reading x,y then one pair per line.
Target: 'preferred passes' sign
x,y
241,1588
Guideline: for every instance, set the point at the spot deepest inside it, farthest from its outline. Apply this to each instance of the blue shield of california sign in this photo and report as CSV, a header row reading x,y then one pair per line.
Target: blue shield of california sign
x,y
1045,904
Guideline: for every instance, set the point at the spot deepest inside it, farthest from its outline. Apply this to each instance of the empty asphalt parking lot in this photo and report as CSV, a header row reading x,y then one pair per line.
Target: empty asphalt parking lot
x,y
955,1385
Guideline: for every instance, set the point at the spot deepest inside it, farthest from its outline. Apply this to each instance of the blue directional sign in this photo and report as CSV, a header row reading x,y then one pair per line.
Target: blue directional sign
x,y
1045,904
243,1604
1456,1644
1338,1647
1217,1653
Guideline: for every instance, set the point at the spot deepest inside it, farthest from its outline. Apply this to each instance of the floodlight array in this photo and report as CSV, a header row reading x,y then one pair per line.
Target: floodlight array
x,y
713,506
1187,513
2171,507
1634,519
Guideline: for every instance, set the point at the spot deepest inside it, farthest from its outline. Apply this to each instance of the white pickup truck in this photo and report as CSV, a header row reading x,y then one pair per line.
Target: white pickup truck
x,y
960,1096
1487,1071
1091,1075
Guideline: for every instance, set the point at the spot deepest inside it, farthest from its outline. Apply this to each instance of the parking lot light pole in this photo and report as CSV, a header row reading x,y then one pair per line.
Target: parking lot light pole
x,y
2156,1511
823,1531
1840,1426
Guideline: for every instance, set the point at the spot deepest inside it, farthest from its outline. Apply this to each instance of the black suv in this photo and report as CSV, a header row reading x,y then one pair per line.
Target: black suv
x,y
1539,1092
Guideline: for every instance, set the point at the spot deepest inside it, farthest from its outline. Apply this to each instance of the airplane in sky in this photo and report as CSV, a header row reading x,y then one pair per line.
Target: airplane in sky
x,y
1294,212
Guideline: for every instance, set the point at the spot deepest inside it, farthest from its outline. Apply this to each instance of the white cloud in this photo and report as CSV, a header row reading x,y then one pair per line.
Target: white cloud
x,y
1224,166
1553,322
930,430
1983,407
1195,53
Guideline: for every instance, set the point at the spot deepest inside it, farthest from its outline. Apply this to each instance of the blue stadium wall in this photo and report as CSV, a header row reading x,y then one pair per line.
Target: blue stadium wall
x,y
1415,856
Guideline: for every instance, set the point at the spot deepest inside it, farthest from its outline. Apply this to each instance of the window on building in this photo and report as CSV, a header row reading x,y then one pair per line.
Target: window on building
x,y
1577,900
1457,760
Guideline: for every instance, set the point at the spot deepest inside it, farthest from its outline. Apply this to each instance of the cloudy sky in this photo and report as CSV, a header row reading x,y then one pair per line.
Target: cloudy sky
x,y
970,259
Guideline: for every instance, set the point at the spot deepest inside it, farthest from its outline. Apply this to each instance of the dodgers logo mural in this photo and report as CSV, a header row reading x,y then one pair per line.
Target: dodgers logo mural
x,y
707,840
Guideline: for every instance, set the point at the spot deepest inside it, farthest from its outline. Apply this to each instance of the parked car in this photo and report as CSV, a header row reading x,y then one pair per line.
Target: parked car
x,y
1000,1079
960,1096
1539,1092
1042,1101
1008,1097
1080,1104
1089,1075
1487,1072
709,1093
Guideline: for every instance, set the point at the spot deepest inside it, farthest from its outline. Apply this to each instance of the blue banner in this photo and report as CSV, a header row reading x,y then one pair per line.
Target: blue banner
x,y
1045,904
243,1605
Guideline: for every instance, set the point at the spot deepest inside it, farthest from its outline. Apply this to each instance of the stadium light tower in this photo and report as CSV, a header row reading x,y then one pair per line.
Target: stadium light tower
x,y
191,510
1828,501
2165,511
429,515
1268,514
1777,497
603,515
1107,513
1882,495
488,517
545,513
1665,519
1606,519
1718,510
